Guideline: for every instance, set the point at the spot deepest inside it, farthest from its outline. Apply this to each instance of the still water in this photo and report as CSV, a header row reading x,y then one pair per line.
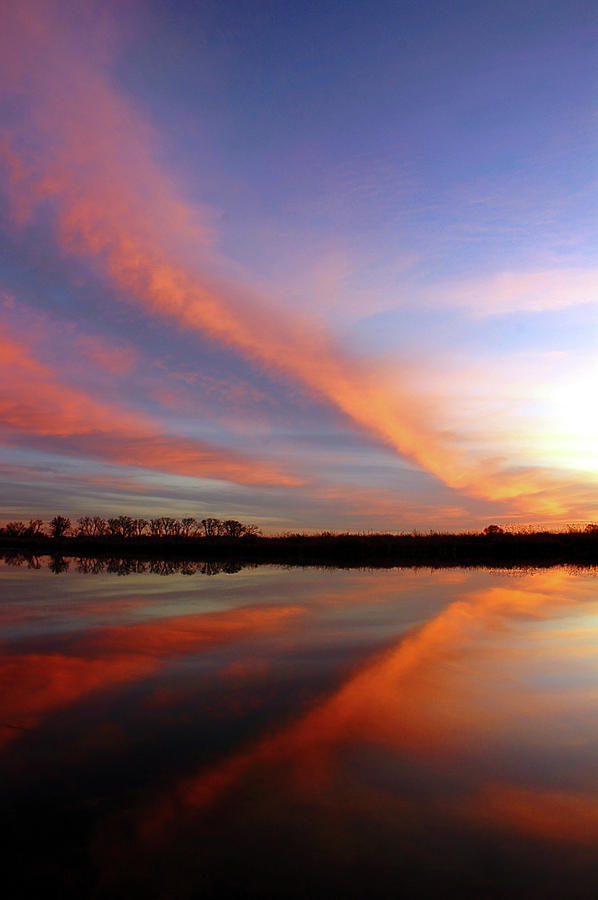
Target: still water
x,y
299,733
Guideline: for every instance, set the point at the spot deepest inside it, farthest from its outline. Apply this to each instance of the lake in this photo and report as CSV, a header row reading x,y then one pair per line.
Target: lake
x,y
189,732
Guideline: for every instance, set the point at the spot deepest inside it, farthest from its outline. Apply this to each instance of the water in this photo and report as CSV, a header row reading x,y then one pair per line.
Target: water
x,y
299,733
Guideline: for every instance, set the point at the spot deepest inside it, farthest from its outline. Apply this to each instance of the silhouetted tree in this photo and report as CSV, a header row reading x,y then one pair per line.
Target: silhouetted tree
x,y
15,529
59,526
493,529
99,526
188,526
121,526
127,525
233,528
211,527
85,524
35,527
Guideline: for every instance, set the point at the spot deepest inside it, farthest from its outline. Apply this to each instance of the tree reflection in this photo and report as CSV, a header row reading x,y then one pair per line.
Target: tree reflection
x,y
120,565
58,565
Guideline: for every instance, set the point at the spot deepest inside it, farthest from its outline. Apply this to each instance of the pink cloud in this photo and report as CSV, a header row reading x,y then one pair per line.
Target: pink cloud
x,y
36,684
81,149
94,162
525,291
37,408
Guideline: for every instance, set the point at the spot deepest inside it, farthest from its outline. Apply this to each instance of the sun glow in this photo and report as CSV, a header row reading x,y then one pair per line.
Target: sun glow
x,y
571,439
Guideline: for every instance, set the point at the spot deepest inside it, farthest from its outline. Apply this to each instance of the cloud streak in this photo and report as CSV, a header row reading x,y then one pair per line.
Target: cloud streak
x,y
38,683
82,150
421,700
508,292
37,408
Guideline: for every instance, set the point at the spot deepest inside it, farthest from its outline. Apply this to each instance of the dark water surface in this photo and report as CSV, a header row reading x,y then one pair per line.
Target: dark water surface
x,y
299,733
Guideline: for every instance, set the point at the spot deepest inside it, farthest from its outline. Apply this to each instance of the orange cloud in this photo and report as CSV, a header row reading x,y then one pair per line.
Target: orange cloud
x,y
35,403
34,684
566,816
178,635
445,693
94,163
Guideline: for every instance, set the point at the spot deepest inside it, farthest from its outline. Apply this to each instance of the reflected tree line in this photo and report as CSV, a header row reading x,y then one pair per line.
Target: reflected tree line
x,y
90,565
129,527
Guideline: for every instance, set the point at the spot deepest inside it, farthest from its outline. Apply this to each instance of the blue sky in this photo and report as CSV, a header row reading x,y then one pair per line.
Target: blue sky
x,y
323,265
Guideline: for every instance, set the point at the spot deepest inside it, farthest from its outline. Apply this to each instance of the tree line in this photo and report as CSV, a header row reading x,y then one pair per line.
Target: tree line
x,y
129,527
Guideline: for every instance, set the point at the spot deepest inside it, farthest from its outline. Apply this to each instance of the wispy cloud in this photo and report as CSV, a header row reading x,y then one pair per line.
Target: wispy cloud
x,y
38,409
506,292
79,150
82,148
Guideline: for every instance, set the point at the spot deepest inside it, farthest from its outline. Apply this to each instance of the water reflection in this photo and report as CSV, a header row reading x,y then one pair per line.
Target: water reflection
x,y
312,733
120,565
469,681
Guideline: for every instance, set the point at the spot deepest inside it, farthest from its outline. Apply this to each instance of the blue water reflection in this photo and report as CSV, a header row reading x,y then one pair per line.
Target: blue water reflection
x,y
300,733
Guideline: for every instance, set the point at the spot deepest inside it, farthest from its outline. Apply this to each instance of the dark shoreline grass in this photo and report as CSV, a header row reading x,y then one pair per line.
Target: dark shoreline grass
x,y
336,550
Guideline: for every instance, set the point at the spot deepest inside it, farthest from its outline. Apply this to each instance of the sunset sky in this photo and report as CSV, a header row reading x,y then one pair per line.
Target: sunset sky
x,y
312,265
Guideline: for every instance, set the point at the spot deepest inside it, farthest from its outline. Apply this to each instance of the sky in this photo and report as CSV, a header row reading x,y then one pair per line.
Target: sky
x,y
312,265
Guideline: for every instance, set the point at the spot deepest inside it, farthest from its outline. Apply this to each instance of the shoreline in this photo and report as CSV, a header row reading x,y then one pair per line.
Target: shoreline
x,y
336,550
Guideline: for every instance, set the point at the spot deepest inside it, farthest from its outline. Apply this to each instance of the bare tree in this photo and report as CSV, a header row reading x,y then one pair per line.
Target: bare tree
x,y
59,526
99,526
188,526
121,526
211,527
15,529
233,528
35,527
126,525
85,524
